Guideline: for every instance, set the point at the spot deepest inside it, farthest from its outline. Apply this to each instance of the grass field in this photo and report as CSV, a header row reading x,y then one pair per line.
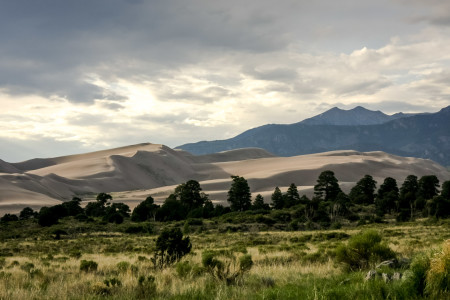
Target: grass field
x,y
286,264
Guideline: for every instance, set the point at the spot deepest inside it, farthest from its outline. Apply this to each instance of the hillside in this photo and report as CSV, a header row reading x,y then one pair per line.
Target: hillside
x,y
424,136
134,172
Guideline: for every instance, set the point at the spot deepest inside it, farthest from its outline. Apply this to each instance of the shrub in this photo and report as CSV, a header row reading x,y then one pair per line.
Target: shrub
x,y
226,271
75,253
88,266
113,282
363,250
416,275
146,288
193,221
139,229
101,289
123,266
438,275
265,220
27,267
170,247
245,263
9,218
183,269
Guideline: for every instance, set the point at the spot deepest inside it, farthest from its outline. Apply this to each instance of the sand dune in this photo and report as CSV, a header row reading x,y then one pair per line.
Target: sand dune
x,y
132,173
7,168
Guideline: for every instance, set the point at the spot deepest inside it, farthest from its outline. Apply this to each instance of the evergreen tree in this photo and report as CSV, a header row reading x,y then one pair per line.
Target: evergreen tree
x,y
291,197
258,203
438,207
364,191
171,210
26,213
73,207
190,194
146,210
327,186
408,195
277,199
428,186
208,209
239,194
98,208
387,196
446,190
103,198
339,207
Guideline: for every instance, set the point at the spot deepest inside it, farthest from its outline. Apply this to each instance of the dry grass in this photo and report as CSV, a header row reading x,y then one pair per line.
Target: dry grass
x,y
280,258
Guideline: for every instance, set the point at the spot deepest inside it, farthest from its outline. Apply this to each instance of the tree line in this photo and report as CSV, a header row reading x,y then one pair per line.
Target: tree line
x,y
415,197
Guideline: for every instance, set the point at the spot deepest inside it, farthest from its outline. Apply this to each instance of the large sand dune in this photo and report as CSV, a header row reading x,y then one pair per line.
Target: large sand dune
x,y
132,173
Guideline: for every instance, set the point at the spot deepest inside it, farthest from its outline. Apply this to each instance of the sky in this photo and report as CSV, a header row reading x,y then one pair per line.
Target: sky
x,y
85,75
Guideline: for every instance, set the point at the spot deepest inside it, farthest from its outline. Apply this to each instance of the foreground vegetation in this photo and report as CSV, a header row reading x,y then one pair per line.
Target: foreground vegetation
x,y
85,263
393,244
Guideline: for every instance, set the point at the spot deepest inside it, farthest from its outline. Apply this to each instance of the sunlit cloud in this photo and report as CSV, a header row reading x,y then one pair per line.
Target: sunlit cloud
x,y
174,72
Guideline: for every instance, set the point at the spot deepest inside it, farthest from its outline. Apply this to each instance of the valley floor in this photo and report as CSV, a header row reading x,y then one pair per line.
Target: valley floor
x,y
47,263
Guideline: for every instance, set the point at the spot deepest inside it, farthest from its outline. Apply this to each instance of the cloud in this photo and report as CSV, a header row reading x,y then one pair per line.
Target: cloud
x,y
110,72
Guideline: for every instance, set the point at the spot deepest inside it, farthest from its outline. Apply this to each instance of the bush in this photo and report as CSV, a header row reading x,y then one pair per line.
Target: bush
x,y
226,271
363,250
27,267
113,282
123,266
133,229
416,275
75,253
265,220
9,218
438,274
183,269
146,288
170,247
245,263
88,266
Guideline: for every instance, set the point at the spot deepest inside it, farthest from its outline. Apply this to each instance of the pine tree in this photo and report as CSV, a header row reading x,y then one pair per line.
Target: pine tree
x,y
364,191
239,194
258,203
291,197
277,199
327,187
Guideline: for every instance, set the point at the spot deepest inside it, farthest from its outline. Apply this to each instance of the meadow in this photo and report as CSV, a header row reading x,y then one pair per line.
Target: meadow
x,y
99,260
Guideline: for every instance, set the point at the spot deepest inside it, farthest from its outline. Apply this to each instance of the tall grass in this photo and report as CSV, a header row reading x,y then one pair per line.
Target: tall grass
x,y
286,265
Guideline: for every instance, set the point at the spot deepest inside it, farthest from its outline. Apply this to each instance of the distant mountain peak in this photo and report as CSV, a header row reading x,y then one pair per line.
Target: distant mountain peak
x,y
356,116
425,135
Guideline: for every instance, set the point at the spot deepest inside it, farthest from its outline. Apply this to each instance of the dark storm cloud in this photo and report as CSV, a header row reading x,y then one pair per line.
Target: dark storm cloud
x,y
435,12
51,47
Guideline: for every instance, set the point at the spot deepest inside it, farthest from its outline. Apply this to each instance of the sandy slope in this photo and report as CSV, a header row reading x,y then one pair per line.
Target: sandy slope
x,y
349,166
134,172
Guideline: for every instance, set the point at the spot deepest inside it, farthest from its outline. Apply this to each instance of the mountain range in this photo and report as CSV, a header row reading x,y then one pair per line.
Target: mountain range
x,y
418,135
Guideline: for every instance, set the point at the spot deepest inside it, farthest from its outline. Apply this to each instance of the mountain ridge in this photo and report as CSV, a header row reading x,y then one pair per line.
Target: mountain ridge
x,y
421,135
355,116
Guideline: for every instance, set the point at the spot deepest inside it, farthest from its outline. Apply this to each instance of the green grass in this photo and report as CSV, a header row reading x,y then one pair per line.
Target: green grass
x,y
286,264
